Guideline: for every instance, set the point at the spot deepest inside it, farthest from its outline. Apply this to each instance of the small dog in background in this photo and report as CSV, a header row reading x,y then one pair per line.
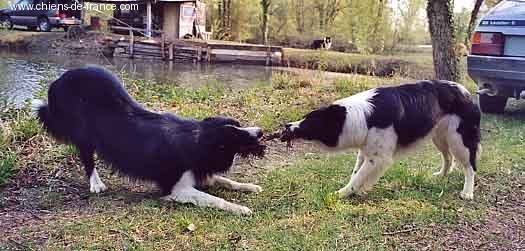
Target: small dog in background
x,y
325,44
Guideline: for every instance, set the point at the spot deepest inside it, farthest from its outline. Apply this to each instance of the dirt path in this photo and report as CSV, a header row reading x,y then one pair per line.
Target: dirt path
x,y
39,194
502,227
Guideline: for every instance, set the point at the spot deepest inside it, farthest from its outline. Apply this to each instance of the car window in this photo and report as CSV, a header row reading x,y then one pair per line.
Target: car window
x,y
509,7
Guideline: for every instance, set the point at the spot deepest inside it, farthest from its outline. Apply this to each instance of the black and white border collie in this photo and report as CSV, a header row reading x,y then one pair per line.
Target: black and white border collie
x,y
386,122
89,108
325,43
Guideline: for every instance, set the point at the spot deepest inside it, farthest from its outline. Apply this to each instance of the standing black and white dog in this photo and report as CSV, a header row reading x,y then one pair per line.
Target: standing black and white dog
x,y
89,108
325,43
385,122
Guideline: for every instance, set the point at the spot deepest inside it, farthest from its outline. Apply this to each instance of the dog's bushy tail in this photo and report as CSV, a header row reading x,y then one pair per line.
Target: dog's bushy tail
x,y
50,123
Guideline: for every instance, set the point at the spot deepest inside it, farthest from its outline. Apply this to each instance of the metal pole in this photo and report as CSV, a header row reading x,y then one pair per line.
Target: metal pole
x,y
148,17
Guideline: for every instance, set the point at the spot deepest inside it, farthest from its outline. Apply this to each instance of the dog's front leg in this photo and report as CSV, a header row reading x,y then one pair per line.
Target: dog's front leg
x,y
367,175
346,191
375,158
202,199
184,192
223,182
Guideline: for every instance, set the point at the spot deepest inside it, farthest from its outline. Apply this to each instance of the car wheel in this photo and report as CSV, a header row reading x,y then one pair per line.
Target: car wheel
x,y
32,28
492,104
43,24
5,22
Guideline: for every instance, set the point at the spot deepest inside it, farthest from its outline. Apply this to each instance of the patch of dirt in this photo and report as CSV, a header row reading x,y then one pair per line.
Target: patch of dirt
x,y
56,189
501,228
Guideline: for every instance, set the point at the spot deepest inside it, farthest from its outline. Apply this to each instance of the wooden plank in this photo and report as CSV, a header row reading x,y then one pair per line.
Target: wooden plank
x,y
145,53
241,52
156,52
116,27
245,47
232,58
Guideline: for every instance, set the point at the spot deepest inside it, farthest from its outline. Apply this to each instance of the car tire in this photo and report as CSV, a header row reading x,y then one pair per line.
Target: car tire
x,y
32,28
43,24
492,104
5,22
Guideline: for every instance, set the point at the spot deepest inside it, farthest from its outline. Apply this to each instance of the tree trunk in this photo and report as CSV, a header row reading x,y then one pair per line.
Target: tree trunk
x,y
299,15
377,46
472,23
265,6
441,27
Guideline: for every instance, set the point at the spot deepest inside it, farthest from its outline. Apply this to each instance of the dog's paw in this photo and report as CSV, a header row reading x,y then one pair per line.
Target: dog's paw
x,y
252,188
242,210
342,193
466,196
98,187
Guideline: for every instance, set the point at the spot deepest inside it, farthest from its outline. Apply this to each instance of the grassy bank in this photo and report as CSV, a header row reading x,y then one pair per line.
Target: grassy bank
x,y
296,210
416,66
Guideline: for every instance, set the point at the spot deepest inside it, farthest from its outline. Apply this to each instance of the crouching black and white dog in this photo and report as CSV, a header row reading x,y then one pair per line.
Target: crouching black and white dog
x,y
385,122
89,108
325,43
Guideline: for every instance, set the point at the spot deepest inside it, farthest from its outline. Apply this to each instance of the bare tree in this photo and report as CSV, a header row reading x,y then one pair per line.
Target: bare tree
x,y
328,11
265,7
472,22
441,24
299,15
375,29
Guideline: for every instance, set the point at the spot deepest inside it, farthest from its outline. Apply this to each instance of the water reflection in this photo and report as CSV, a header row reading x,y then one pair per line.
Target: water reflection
x,y
22,75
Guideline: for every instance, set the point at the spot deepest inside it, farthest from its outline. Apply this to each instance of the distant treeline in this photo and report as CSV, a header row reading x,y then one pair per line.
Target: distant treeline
x,y
365,26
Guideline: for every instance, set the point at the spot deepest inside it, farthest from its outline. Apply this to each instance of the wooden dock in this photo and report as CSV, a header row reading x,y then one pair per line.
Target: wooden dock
x,y
193,50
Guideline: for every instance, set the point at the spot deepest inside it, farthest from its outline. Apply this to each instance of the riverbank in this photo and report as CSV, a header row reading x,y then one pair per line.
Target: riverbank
x,y
44,201
414,66
53,43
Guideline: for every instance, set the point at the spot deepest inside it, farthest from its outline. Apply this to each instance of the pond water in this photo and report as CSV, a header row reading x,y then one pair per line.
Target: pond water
x,y
23,75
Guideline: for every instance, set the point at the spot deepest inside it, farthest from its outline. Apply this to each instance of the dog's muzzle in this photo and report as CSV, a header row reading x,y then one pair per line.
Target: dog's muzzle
x,y
289,132
254,148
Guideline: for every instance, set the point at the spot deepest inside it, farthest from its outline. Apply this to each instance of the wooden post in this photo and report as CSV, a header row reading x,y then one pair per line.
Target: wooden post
x,y
268,55
199,53
170,52
148,19
208,54
131,43
162,48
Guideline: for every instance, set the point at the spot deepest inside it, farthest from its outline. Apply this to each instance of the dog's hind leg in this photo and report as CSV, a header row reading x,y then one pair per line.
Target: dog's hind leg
x,y
220,181
184,192
95,183
462,155
440,141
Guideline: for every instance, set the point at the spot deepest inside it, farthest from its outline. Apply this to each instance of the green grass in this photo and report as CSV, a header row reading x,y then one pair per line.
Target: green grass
x,y
297,209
